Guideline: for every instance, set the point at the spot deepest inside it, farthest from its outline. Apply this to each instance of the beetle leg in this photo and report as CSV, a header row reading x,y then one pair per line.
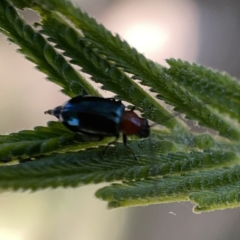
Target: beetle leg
x,y
140,109
125,144
132,109
110,143
84,93
112,99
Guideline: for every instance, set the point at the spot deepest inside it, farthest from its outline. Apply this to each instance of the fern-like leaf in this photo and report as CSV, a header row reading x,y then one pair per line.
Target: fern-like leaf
x,y
176,164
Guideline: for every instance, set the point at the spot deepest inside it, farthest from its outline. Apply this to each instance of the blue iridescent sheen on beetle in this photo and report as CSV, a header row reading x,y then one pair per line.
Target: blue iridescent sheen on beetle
x,y
96,116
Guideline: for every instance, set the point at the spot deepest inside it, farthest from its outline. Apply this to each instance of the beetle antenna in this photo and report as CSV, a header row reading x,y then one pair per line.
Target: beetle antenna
x,y
177,114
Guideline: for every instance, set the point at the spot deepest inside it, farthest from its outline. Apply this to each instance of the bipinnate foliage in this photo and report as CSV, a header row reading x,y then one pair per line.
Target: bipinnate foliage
x,y
175,164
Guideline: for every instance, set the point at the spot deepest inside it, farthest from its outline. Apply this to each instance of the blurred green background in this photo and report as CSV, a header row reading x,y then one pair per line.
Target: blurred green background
x,y
204,31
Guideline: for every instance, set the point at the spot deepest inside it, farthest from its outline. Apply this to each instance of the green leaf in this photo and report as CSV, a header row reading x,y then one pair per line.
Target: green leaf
x,y
174,164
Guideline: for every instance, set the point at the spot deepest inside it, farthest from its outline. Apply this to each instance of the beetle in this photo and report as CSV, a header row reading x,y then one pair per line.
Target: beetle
x,y
101,117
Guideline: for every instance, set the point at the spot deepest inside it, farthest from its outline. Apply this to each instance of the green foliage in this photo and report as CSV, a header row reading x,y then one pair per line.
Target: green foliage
x,y
175,164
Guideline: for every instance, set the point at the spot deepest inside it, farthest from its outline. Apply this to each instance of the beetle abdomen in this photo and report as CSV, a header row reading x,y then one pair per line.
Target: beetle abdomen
x,y
93,115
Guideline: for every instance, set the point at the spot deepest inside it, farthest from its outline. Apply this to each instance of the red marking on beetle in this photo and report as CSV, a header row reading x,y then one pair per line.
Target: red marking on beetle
x,y
132,124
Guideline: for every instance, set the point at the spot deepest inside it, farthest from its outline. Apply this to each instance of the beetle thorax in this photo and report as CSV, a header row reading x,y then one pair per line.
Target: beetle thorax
x,y
132,124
